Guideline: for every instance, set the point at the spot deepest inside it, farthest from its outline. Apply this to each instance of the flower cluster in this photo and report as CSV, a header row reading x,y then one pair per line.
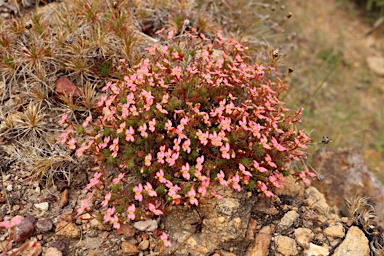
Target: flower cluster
x,y
193,115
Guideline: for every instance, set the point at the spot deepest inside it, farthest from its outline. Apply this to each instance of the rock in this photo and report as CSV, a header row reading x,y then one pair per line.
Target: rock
x,y
52,251
60,245
9,188
346,176
144,245
129,248
126,230
213,225
42,206
66,88
288,219
354,244
64,198
316,250
44,225
261,245
291,188
147,225
286,245
376,64
303,237
333,232
68,229
264,206
316,200
24,230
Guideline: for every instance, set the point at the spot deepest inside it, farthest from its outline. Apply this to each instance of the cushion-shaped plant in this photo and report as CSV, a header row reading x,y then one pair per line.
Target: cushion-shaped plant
x,y
195,112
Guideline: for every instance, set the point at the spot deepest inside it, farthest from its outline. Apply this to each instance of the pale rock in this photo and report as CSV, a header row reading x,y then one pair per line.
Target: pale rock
x,y
333,232
316,200
143,245
68,229
376,64
288,219
42,206
129,248
291,188
52,251
303,237
316,250
147,225
9,188
261,245
354,244
286,245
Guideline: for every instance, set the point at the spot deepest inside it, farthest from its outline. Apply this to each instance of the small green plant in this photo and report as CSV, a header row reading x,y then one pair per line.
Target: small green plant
x,y
193,115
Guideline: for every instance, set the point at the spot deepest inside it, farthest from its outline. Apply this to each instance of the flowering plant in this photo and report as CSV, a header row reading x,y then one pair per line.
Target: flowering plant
x,y
194,113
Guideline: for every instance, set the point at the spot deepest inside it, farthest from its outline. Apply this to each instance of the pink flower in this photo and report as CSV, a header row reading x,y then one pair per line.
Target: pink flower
x,y
172,160
87,121
94,180
63,119
142,129
186,146
177,72
225,123
72,143
129,134
152,124
200,161
149,189
220,177
277,145
160,176
176,145
265,190
264,142
165,240
224,151
84,205
106,199
235,182
203,188
191,194
203,137
258,167
243,171
107,216
114,147
153,209
214,193
119,178
121,128
131,212
138,195
268,159
115,221
303,177
13,222
185,171
148,159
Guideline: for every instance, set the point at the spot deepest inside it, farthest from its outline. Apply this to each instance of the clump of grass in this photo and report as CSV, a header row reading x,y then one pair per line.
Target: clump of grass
x,y
361,211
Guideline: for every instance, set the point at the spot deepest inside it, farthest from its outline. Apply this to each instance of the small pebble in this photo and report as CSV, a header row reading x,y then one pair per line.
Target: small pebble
x,y
9,188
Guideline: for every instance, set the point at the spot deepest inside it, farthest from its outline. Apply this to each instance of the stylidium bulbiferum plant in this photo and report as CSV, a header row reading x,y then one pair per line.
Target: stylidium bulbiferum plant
x,y
193,115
